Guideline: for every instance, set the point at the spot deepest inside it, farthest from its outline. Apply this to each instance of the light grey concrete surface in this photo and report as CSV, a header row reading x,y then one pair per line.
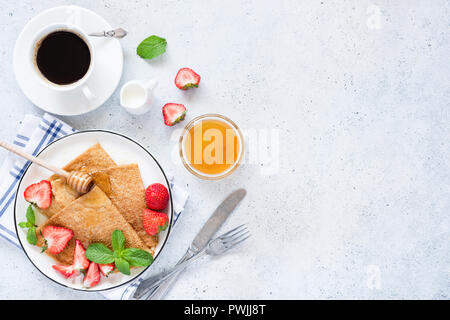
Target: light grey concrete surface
x,y
358,93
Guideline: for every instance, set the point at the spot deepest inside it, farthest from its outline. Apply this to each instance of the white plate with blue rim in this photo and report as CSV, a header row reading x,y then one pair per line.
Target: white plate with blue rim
x,y
123,150
107,68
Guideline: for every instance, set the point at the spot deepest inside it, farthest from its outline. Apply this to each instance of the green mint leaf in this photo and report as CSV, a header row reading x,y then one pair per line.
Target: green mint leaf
x,y
99,253
137,257
24,225
122,265
30,215
151,47
31,236
118,241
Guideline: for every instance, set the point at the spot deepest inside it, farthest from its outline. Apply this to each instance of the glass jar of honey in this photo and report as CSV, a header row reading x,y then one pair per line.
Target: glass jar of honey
x,y
211,146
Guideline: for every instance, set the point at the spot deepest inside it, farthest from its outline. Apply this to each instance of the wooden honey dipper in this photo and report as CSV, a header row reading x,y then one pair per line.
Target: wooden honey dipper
x,y
79,181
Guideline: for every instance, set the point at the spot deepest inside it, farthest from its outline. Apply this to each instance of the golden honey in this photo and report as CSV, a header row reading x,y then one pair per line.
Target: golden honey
x,y
211,146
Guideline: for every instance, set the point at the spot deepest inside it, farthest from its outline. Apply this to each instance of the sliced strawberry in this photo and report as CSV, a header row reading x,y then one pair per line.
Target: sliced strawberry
x,y
156,196
154,221
80,262
173,113
39,194
56,238
92,277
66,271
106,269
187,78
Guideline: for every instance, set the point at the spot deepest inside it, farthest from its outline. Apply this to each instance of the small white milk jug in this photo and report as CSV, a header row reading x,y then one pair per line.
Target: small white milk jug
x,y
136,96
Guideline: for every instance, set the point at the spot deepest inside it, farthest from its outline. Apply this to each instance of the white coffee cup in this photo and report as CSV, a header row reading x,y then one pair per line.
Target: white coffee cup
x,y
136,96
79,84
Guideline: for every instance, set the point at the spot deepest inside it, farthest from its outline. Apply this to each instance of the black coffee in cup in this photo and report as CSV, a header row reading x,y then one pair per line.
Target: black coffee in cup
x,y
63,57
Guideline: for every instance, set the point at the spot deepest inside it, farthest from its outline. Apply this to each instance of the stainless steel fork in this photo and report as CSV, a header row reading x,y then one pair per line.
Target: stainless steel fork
x,y
215,247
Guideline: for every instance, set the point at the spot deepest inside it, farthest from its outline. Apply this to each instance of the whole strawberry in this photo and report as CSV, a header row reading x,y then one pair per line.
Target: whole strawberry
x,y
154,221
156,196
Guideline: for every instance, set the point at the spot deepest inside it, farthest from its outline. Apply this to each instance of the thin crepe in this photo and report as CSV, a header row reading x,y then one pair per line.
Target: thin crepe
x,y
126,190
92,218
93,159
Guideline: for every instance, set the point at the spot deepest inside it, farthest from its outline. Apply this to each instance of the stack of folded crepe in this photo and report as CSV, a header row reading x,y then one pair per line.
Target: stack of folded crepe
x,y
116,202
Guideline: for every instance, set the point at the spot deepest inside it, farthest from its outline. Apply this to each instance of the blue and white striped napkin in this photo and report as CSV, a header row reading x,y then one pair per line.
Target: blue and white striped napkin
x,y
34,134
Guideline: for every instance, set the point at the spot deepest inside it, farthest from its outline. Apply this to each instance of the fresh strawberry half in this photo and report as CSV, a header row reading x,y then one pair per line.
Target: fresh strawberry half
x,y
156,196
173,113
66,271
80,262
39,194
92,277
187,78
56,238
154,221
106,269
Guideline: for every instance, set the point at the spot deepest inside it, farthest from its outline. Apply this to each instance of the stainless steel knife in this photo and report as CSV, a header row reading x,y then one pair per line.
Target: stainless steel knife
x,y
200,241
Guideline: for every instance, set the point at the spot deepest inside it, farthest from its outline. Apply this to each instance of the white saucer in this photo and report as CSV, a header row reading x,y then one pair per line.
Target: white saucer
x,y
105,76
123,150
